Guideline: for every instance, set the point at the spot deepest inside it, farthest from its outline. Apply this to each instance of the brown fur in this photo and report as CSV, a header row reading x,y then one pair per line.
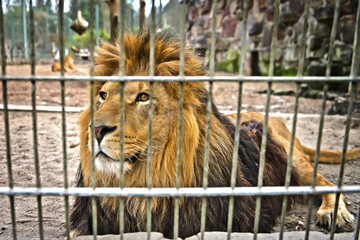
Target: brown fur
x,y
68,65
164,142
302,157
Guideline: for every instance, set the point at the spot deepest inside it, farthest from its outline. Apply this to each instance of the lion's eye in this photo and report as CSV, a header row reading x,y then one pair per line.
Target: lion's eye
x,y
142,97
103,95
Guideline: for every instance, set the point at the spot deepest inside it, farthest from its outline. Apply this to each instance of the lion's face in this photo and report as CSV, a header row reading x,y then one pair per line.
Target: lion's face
x,y
107,142
136,124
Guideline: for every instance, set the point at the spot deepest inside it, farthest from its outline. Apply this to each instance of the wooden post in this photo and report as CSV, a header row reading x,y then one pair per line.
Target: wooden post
x,y
114,19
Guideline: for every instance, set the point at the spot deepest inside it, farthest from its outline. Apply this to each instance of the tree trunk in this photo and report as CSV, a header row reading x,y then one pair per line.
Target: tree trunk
x,y
39,3
114,19
105,15
142,15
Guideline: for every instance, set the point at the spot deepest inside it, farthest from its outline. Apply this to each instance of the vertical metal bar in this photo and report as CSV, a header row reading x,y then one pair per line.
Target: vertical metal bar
x,y
328,73
352,89
33,97
121,74
122,206
61,38
274,38
357,230
132,15
152,39
237,129
342,165
303,39
235,161
92,126
213,38
12,36
178,161
160,15
208,117
206,158
356,55
151,90
293,132
47,37
322,115
243,37
299,74
262,160
289,164
180,113
97,24
149,182
6,122
265,127
23,8
63,117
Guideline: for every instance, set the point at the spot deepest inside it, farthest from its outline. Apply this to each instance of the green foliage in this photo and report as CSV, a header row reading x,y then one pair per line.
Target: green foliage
x,y
278,70
230,63
83,41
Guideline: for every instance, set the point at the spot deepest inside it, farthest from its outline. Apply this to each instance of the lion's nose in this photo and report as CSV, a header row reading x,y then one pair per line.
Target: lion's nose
x,y
101,131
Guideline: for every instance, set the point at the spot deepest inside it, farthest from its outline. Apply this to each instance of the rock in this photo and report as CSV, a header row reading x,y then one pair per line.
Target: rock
x,y
260,27
347,28
316,69
256,28
324,13
341,105
228,26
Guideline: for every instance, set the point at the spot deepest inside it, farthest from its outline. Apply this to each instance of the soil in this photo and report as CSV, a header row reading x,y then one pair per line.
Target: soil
x,y
51,155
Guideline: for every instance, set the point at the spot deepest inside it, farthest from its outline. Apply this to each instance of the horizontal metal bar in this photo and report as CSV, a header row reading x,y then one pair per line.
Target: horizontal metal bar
x,y
304,79
182,192
56,109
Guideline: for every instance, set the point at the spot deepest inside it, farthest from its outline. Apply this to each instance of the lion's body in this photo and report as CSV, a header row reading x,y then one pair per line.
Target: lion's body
x,y
68,65
164,148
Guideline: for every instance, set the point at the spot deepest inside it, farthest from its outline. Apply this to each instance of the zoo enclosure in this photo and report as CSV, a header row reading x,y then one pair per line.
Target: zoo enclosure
x,y
178,192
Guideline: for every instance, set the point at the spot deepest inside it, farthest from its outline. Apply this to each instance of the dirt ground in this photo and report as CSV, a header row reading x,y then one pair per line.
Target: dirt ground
x,y
51,157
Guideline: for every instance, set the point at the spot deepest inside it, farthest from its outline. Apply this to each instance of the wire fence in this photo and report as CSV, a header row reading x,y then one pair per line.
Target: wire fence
x,y
177,192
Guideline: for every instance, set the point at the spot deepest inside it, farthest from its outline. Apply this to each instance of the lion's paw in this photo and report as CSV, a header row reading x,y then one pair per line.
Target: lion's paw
x,y
325,216
74,233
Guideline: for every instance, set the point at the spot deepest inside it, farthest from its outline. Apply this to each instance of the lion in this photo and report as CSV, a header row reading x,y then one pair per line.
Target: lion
x,y
164,149
68,65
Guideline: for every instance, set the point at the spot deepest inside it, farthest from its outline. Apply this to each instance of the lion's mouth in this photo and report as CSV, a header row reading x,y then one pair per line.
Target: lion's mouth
x,y
131,159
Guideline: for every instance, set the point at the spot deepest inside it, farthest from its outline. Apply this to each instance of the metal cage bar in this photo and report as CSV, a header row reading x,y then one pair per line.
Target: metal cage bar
x,y
208,118
150,112
173,192
254,79
293,131
352,89
265,125
6,122
34,116
237,128
121,137
63,115
300,73
92,124
180,113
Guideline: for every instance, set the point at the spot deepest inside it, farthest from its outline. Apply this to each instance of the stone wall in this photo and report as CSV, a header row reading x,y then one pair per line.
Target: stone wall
x,y
260,24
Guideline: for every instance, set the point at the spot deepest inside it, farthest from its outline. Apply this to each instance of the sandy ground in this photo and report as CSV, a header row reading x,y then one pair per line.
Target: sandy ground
x,y
51,157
